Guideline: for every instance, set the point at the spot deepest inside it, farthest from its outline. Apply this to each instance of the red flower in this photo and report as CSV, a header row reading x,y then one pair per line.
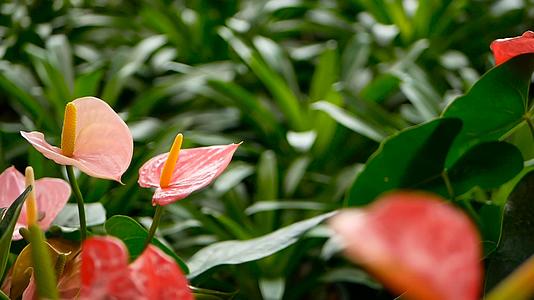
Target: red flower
x,y
107,275
416,244
505,49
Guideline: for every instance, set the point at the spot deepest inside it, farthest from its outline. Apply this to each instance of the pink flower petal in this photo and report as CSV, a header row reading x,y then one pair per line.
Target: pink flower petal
x,y
159,276
11,186
103,146
505,49
105,273
52,195
195,169
416,244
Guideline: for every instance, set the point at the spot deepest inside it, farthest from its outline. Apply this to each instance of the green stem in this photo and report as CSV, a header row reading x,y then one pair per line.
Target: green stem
x,y
79,200
154,226
448,184
530,126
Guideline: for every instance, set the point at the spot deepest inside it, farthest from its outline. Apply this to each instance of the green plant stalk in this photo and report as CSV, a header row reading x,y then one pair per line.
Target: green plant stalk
x,y
530,126
43,269
517,286
155,223
79,200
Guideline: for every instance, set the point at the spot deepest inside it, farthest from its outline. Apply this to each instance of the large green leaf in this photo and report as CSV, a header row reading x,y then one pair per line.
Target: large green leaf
x,y
237,252
406,159
415,158
495,104
516,244
7,226
134,235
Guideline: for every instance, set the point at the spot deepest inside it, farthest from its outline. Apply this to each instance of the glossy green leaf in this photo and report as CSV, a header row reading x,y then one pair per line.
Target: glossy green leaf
x,y
237,252
7,226
493,106
134,235
423,150
516,244
406,159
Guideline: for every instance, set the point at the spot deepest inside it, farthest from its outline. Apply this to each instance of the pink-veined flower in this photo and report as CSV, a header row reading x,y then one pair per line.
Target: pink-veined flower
x,y
178,173
94,139
505,49
106,274
416,244
51,194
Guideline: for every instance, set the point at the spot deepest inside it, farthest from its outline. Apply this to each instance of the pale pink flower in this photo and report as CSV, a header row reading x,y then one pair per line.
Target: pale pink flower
x,y
194,169
52,194
105,273
416,244
103,144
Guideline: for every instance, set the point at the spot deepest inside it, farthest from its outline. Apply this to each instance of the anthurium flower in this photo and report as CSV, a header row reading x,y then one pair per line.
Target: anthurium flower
x,y
107,275
415,243
94,139
178,173
505,49
51,195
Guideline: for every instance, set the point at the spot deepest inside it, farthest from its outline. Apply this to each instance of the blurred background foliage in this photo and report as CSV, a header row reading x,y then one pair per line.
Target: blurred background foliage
x,y
310,87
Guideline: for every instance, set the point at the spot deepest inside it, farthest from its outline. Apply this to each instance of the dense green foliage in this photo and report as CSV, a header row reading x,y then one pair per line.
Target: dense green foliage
x,y
311,88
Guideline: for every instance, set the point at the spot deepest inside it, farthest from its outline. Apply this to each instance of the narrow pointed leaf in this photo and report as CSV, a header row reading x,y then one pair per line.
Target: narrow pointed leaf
x,y
7,225
237,252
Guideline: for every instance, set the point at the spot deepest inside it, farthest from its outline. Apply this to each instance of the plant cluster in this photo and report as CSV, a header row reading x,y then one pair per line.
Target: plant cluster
x,y
374,105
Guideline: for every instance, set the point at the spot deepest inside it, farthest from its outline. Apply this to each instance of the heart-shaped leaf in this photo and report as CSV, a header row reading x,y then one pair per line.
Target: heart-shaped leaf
x,y
423,150
406,159
237,252
494,105
134,235
7,225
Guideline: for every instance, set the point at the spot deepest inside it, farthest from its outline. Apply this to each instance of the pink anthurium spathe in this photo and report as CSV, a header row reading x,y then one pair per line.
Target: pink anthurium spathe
x,y
51,195
178,173
105,273
94,139
416,244
505,49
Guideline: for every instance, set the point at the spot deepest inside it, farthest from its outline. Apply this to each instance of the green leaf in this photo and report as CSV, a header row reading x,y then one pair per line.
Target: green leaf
x,y
406,159
487,165
423,150
134,235
3,296
516,244
326,73
497,103
7,226
95,214
237,252
355,123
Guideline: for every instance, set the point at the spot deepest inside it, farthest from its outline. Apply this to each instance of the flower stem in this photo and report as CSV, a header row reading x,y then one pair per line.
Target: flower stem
x,y
154,226
79,200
